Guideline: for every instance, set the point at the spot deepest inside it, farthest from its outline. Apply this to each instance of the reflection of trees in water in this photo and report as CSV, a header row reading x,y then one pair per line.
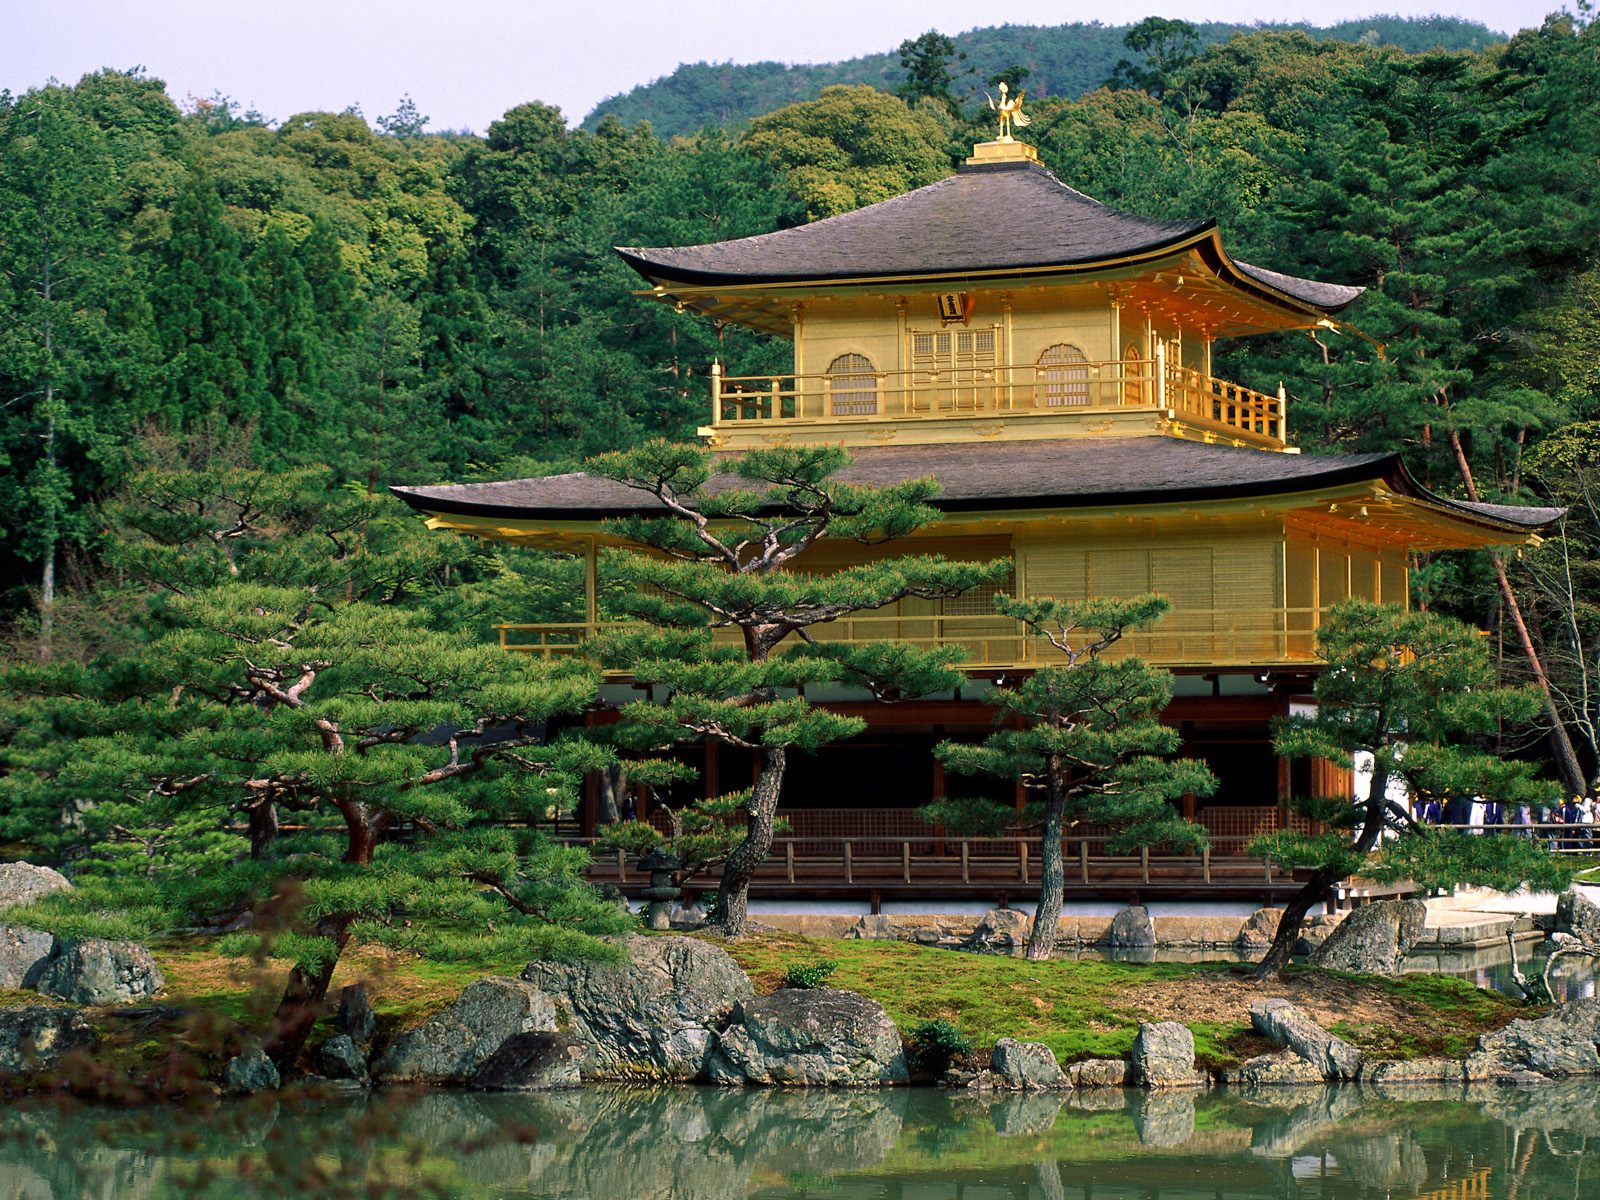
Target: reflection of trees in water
x,y
705,1144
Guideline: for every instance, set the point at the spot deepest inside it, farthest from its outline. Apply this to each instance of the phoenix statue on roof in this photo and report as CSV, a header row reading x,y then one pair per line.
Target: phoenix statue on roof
x,y
1010,111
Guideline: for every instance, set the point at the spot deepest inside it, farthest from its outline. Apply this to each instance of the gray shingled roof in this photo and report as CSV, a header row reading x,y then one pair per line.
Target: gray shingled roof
x,y
985,218
986,475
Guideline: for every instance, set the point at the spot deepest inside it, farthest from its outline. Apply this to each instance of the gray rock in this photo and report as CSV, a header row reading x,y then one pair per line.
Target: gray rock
x,y
1374,939
1259,930
1002,931
355,1016
1163,1056
1283,1024
1132,928
251,1072
24,953
1164,1119
340,1058
1415,1071
451,1045
532,1062
1567,1042
875,928
1029,1066
1099,1073
23,883
1578,915
812,1037
33,1037
98,972
1275,1070
657,1014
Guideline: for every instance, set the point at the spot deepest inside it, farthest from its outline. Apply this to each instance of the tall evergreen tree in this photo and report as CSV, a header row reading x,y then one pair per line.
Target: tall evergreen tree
x,y
730,554
1085,741
207,320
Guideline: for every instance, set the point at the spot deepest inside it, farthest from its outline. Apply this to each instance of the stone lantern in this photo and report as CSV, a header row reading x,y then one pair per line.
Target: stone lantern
x,y
662,890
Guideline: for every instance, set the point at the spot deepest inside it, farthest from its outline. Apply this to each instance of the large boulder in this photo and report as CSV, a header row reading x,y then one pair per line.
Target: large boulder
x,y
34,1037
23,883
1411,1072
1578,915
1163,1056
656,1014
809,1037
1567,1042
1131,929
1027,1066
1374,939
451,1045
355,1018
532,1062
24,954
1281,1023
98,972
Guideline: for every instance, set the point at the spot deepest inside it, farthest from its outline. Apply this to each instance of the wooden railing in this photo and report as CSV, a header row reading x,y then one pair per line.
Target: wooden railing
x,y
1000,391
1260,637
966,862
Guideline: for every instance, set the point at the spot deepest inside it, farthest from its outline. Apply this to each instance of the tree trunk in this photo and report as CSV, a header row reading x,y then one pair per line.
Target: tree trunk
x,y
303,998
613,786
733,893
1052,877
1566,756
263,828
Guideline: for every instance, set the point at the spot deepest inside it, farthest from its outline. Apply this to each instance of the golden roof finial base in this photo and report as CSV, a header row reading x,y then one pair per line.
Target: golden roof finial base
x,y
1003,150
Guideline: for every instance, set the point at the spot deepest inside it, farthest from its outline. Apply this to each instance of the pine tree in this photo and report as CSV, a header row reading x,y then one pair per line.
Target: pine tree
x,y
207,320
731,556
1408,690
287,666
1085,741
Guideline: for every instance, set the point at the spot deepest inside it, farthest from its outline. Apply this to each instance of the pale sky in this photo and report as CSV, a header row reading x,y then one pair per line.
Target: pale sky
x,y
465,62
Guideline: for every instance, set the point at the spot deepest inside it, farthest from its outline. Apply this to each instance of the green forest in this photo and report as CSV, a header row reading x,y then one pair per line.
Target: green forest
x,y
325,305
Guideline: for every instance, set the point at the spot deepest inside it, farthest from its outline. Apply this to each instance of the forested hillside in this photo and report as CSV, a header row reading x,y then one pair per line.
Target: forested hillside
x,y
1062,60
196,288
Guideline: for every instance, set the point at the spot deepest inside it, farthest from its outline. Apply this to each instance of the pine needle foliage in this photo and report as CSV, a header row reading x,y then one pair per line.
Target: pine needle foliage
x,y
729,556
1416,695
1085,741
295,746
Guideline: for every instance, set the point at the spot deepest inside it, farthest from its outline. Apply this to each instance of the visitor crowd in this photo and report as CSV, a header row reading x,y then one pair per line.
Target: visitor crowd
x,y
1523,820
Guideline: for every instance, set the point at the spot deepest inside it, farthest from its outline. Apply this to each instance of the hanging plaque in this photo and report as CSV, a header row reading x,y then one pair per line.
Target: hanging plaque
x,y
956,306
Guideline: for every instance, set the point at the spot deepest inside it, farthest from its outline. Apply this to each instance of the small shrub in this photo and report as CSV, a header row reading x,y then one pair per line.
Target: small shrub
x,y
937,1044
809,975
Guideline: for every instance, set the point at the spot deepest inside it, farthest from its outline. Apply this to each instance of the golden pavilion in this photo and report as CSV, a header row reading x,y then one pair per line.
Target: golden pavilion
x,y
1049,360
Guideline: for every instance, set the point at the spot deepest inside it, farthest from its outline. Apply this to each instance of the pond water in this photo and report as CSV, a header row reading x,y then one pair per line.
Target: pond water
x,y
703,1144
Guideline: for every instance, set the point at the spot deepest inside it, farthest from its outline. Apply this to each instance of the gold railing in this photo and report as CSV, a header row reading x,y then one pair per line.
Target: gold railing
x,y
998,391
1205,637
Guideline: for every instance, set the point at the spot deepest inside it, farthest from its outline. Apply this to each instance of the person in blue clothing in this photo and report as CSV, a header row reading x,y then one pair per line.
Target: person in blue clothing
x,y
1570,813
1432,810
1494,814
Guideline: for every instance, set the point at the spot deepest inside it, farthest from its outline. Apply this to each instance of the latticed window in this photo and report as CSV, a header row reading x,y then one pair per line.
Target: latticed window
x,y
978,602
854,385
1064,370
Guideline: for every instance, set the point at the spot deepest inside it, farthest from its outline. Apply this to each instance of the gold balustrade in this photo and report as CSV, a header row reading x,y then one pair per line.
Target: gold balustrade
x,y
998,391
1194,637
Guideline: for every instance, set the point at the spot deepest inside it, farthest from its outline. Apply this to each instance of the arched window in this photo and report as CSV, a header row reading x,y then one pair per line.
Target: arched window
x,y
853,382
1132,375
1064,371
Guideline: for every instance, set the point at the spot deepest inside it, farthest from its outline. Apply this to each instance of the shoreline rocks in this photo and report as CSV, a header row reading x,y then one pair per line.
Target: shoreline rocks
x,y
1281,1023
809,1037
450,1046
100,973
656,1015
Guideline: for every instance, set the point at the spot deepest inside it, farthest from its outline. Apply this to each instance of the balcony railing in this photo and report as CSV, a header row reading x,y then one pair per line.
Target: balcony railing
x,y
1193,637
997,391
